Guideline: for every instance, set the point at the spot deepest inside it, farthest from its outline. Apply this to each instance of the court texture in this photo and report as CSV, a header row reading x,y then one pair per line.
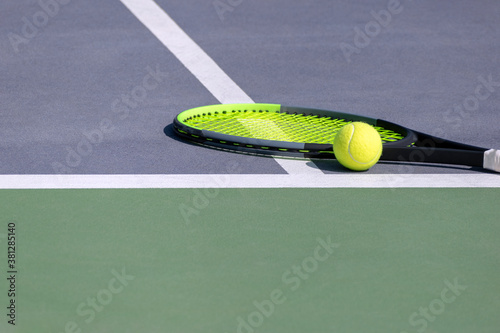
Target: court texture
x,y
111,223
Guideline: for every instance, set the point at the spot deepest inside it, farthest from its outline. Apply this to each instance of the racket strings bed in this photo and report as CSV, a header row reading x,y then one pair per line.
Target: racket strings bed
x,y
277,126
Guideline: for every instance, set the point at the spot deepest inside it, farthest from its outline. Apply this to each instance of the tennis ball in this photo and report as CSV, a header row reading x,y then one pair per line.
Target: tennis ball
x,y
357,146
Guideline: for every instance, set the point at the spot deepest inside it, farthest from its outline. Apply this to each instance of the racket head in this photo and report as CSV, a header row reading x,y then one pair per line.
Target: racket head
x,y
274,129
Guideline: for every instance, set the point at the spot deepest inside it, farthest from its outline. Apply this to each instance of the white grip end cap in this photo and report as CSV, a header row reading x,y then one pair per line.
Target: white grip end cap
x,y
492,160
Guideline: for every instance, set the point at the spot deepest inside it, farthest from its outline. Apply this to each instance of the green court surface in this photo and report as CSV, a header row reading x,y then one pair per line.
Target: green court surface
x,y
252,260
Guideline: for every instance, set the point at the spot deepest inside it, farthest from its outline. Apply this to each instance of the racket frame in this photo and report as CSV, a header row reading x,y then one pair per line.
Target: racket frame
x,y
414,147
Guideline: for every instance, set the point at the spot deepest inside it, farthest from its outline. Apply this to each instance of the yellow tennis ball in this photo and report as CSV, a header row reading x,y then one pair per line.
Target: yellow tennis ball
x,y
357,146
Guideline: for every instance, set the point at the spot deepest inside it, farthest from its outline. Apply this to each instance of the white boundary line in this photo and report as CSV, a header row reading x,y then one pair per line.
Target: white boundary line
x,y
352,180
200,64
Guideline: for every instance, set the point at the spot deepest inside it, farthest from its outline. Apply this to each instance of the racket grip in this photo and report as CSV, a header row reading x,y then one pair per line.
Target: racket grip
x,y
492,160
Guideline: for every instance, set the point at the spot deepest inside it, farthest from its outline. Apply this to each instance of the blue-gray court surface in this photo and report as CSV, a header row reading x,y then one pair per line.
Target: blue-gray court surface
x,y
110,223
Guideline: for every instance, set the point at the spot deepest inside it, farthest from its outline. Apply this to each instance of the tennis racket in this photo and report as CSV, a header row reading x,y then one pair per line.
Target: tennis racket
x,y
274,129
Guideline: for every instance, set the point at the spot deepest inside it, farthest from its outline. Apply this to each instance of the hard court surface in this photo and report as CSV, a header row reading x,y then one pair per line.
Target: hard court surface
x,y
119,226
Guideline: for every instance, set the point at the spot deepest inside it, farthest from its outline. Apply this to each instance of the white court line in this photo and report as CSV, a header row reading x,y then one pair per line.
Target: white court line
x,y
200,65
351,180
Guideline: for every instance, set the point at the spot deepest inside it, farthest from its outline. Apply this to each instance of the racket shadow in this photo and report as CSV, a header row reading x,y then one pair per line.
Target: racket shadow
x,y
397,167
169,132
437,166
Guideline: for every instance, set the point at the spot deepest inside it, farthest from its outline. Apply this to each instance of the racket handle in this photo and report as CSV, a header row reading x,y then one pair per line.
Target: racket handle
x,y
492,160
